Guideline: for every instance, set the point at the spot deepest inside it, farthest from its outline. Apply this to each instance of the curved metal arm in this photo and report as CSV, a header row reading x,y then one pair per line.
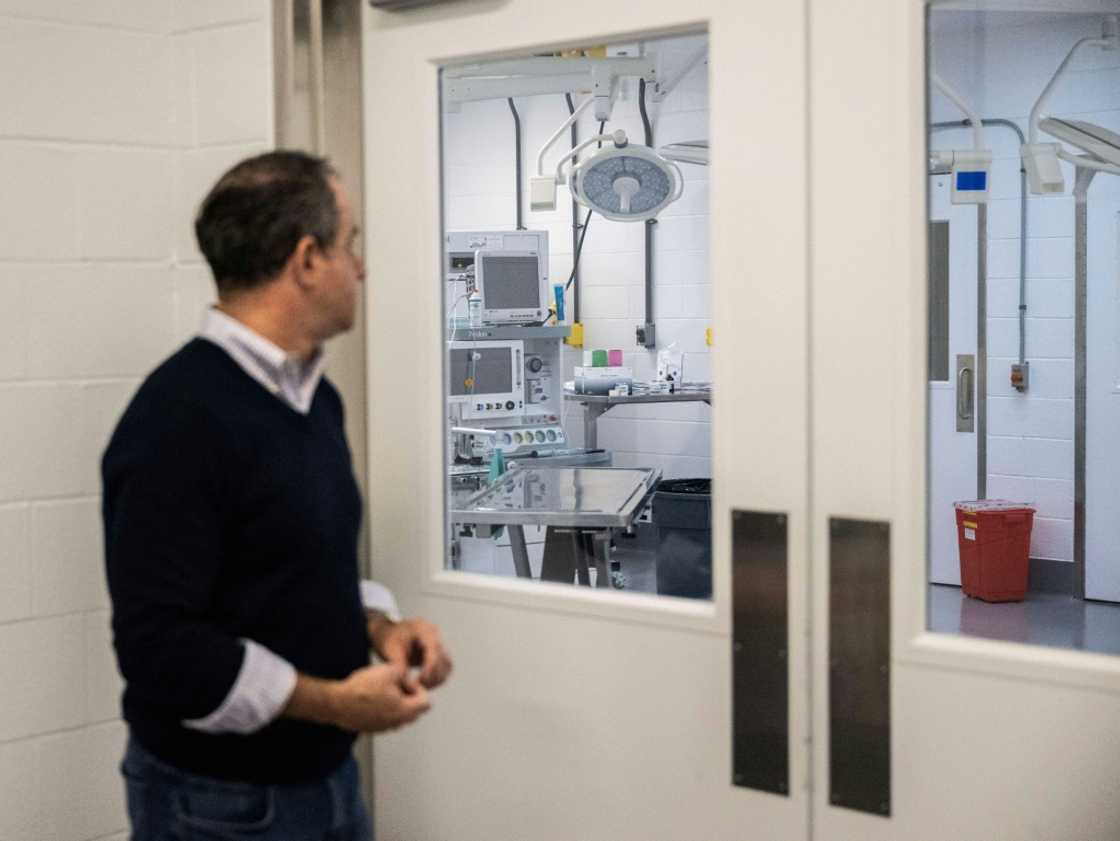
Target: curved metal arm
x,y
556,136
570,157
1036,111
966,109
1088,162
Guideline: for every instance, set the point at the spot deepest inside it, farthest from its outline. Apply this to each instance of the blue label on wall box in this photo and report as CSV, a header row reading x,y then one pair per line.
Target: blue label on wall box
x,y
972,181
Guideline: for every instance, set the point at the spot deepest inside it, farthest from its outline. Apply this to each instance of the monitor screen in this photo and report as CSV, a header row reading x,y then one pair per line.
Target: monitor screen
x,y
490,369
511,282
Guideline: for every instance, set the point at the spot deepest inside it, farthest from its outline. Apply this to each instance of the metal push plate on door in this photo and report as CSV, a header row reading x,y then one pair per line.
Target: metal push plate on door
x,y
859,656
759,659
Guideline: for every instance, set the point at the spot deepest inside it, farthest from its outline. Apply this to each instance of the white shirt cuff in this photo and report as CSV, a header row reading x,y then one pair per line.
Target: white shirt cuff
x,y
380,598
262,688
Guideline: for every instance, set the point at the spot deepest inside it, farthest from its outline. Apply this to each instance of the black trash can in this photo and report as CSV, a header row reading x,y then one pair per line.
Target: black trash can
x,y
682,514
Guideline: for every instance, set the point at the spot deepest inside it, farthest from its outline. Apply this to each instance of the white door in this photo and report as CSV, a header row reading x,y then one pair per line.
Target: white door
x,y
574,713
1102,392
987,740
954,404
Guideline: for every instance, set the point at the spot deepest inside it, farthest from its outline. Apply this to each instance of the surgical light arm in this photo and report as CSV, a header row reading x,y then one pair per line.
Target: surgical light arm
x,y
1108,41
1041,159
542,188
1089,162
966,109
617,137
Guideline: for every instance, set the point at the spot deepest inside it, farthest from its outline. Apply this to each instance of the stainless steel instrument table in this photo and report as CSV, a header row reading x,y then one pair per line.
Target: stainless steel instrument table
x,y
575,501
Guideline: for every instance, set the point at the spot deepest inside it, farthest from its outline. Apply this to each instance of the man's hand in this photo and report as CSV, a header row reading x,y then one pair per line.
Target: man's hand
x,y
412,642
372,699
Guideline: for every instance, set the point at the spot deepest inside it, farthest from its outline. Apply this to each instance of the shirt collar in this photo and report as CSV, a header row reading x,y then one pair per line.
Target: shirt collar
x,y
292,379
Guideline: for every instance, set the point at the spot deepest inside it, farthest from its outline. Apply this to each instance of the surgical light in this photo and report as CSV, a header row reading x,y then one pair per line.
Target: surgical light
x,y
623,181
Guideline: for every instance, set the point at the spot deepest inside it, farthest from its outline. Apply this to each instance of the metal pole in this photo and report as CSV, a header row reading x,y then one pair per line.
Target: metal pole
x,y
1080,346
283,42
318,86
981,351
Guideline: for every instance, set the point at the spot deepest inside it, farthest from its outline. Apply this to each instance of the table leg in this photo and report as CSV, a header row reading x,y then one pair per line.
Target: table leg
x,y
591,414
520,551
602,548
579,552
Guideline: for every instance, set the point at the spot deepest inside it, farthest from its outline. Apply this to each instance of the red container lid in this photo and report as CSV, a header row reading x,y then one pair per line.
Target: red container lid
x,y
973,506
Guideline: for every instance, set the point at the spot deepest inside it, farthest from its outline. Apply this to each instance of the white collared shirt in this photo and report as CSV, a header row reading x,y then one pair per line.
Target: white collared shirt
x,y
265,681
292,379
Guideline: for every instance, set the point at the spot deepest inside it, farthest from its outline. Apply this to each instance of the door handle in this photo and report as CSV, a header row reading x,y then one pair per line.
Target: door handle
x,y
966,392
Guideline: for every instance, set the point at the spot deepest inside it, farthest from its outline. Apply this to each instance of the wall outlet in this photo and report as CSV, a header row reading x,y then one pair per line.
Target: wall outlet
x,y
1020,376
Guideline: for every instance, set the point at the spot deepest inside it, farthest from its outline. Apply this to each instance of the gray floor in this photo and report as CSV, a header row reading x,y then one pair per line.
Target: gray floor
x,y
1043,619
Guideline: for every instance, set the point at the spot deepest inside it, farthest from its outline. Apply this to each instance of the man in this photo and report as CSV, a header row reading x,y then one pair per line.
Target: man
x,y
231,526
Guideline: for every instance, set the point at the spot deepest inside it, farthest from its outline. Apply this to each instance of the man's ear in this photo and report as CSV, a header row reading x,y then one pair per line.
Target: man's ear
x,y
302,260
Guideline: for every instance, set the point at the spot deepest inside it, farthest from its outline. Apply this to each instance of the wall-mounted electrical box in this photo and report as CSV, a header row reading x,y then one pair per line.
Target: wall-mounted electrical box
x,y
1020,376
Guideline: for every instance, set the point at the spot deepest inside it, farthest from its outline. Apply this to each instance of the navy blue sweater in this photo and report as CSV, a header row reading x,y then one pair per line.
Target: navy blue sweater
x,y
230,515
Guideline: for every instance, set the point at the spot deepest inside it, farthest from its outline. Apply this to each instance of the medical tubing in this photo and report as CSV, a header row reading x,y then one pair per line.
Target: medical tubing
x,y
577,241
517,161
1013,126
452,329
583,232
649,223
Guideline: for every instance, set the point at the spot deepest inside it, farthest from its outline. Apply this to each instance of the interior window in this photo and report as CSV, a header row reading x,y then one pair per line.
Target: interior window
x,y
577,317
1024,159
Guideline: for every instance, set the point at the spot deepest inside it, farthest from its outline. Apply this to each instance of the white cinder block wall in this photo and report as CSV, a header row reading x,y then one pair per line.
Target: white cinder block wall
x,y
116,117
1001,62
479,195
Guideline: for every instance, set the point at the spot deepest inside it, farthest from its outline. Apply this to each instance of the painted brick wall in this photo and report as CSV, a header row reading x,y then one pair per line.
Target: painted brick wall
x,y
479,193
116,118
1002,62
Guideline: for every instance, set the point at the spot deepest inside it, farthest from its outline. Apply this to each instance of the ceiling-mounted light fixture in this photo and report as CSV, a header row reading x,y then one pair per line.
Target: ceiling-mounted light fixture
x,y
623,181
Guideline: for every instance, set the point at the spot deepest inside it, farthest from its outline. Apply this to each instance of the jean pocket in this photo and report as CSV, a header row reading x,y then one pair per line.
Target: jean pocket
x,y
226,813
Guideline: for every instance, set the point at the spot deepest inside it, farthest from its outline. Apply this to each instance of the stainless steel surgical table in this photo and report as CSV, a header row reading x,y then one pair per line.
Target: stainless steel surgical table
x,y
574,503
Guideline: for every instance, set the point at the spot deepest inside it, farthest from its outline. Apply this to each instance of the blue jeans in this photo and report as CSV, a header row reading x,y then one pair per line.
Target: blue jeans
x,y
166,804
